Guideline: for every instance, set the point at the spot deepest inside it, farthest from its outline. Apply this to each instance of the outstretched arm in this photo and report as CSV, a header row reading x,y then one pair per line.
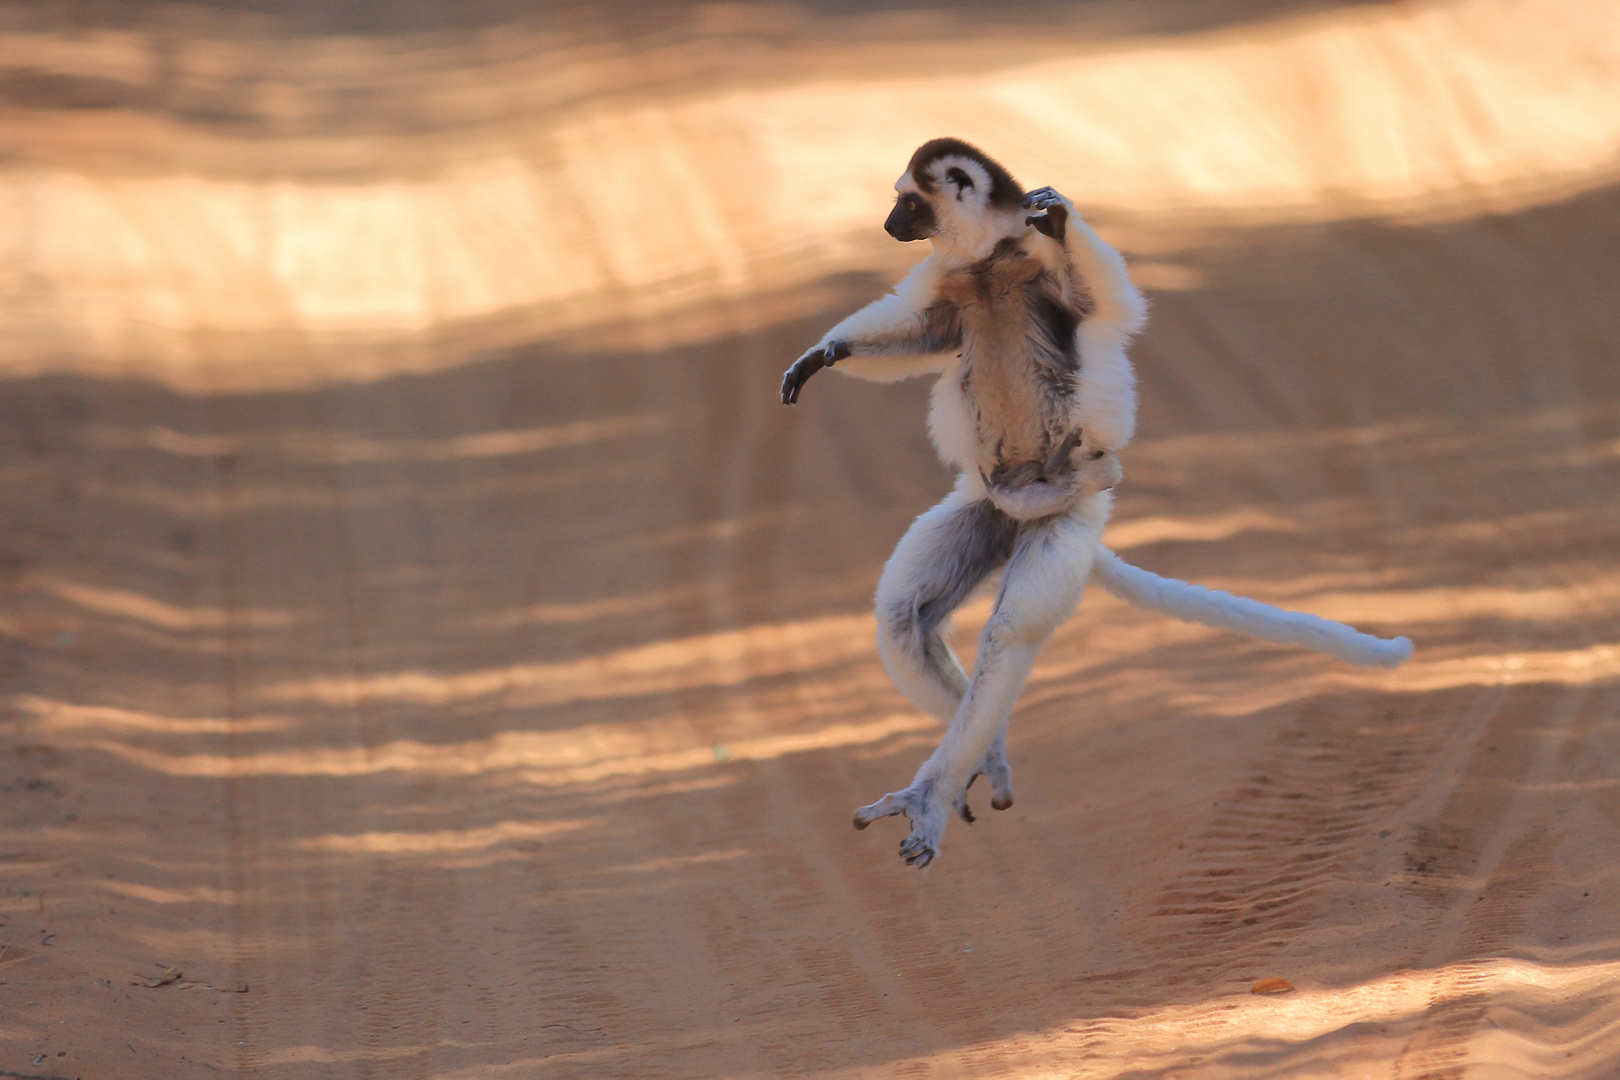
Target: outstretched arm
x,y
1105,400
912,331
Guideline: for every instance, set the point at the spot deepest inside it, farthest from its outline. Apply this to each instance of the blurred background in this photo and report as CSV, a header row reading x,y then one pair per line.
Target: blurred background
x,y
431,650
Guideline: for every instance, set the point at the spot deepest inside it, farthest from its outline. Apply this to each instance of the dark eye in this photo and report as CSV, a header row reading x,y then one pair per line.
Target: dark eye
x,y
912,201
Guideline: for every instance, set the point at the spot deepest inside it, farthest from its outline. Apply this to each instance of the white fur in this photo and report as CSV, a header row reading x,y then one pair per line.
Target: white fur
x,y
1222,610
1040,586
1105,403
890,317
950,422
1105,406
951,548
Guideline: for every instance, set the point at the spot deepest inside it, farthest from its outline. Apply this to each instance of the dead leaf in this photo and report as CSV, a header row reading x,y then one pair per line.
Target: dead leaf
x,y
1272,985
169,975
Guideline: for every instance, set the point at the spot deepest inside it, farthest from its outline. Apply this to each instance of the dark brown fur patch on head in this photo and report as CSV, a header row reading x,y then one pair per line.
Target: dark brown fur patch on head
x,y
1005,192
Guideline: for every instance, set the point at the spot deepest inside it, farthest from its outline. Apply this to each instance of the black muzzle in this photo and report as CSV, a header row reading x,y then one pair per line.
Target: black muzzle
x,y
911,219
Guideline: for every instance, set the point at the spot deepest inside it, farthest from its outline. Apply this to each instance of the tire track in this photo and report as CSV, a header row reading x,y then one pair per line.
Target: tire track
x,y
1512,856
1258,871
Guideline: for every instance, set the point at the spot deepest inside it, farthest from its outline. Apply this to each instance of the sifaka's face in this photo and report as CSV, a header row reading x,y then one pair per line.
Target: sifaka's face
x,y
956,201
913,216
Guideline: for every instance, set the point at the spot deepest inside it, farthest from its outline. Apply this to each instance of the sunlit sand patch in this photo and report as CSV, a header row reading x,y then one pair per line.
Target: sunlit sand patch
x,y
724,529
726,658
1138,532
218,945
1222,444
1413,606
206,500
1415,439
1566,667
1610,449
579,755
1403,110
1165,277
49,715
319,1055
1364,598
123,603
191,894
732,658
335,447
1243,693
441,840
1224,1033
676,862
544,614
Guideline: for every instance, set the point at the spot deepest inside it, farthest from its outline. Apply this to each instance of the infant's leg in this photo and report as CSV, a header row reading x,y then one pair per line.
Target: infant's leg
x,y
1099,472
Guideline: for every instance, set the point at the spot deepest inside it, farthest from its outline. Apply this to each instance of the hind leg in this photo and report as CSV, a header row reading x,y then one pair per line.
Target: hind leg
x,y
1043,581
946,554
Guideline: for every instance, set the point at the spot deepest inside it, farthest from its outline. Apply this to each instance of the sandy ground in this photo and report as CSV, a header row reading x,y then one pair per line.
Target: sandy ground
x,y
427,639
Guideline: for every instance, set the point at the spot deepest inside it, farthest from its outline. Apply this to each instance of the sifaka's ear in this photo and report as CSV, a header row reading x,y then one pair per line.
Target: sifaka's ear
x,y
959,180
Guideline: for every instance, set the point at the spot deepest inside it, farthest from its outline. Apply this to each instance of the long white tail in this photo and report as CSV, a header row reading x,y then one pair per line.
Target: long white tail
x,y
1194,603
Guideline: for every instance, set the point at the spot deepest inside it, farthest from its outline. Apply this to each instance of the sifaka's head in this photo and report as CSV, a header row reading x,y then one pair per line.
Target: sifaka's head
x,y
956,195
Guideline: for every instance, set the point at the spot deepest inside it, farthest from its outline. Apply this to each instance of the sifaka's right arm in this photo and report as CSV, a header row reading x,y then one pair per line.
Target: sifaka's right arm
x,y
1105,399
912,331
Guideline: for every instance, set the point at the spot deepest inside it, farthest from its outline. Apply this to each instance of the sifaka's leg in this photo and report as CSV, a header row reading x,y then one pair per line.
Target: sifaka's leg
x,y
946,554
1045,576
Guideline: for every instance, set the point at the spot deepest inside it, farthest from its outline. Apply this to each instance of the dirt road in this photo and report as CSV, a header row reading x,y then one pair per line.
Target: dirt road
x,y
431,651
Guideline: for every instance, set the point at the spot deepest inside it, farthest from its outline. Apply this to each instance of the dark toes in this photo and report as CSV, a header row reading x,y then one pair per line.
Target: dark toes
x,y
916,850
860,823
918,853
967,814
1000,802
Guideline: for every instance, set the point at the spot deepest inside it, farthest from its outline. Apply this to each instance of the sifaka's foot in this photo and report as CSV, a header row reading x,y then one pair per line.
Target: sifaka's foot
x,y
1098,471
995,769
923,809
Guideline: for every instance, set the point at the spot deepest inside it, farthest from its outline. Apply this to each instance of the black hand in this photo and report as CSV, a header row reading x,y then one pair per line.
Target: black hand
x,y
799,374
1053,216
807,365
